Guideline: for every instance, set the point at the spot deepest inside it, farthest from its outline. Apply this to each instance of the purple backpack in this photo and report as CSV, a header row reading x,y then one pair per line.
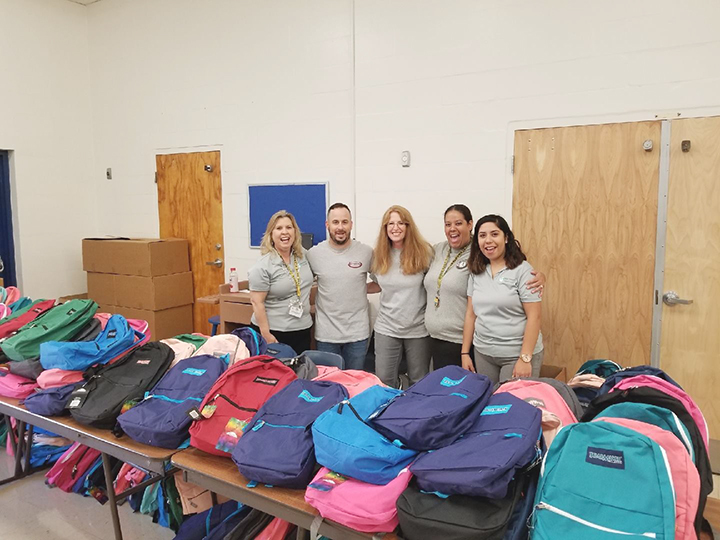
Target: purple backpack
x,y
161,418
253,340
436,410
277,445
504,439
50,402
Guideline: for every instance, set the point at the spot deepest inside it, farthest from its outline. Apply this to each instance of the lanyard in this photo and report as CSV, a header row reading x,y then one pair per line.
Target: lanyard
x,y
294,275
445,269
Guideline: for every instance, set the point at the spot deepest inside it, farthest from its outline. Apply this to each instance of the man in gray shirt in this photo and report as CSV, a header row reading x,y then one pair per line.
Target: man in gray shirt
x,y
341,264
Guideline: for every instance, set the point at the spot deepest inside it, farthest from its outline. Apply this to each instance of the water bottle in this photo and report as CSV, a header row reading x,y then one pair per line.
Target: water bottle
x,y
233,280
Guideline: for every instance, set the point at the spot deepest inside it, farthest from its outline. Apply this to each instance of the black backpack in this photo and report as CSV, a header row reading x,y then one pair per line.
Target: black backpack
x,y
100,400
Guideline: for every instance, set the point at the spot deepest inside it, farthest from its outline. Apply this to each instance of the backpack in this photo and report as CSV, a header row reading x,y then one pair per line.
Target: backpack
x,y
100,400
72,466
586,387
199,526
436,410
356,504
161,418
679,394
12,294
280,350
631,495
29,369
248,528
234,399
600,367
182,349
21,317
115,339
58,324
253,340
14,386
5,310
277,446
52,378
345,442
88,332
503,440
50,402
20,303
223,344
685,479
612,380
303,366
355,381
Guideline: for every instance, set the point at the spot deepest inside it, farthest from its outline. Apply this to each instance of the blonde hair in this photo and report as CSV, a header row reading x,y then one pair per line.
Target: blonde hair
x,y
416,252
267,245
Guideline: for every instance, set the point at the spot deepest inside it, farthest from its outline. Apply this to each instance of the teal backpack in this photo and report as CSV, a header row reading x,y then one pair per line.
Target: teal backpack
x,y
600,481
59,324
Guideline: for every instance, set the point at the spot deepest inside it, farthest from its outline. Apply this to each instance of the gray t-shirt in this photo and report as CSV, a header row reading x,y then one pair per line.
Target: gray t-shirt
x,y
270,274
446,320
402,302
341,304
497,302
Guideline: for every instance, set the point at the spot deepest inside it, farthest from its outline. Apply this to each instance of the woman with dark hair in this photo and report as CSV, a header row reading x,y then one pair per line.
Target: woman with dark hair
x,y
446,285
502,318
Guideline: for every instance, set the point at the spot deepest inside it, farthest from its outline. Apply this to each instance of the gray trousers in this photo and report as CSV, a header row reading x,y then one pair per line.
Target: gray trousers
x,y
500,369
389,353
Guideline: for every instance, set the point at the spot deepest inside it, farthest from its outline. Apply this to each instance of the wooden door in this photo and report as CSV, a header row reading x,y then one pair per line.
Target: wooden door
x,y
690,334
585,211
190,206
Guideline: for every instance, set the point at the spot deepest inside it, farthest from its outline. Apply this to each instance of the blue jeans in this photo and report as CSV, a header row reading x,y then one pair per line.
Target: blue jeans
x,y
353,353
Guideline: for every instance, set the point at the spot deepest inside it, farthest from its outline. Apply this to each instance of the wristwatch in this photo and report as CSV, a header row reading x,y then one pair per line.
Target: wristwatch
x,y
527,358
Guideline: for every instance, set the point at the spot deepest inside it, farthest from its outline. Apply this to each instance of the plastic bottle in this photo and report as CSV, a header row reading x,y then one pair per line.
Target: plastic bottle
x,y
233,280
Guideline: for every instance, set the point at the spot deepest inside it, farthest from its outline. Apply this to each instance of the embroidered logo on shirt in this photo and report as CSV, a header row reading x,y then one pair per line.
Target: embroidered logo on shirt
x,y
355,264
613,459
461,265
447,381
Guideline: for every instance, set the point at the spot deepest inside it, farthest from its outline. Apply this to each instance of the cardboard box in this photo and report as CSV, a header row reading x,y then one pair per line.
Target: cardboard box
x,y
163,324
141,292
553,372
67,298
136,257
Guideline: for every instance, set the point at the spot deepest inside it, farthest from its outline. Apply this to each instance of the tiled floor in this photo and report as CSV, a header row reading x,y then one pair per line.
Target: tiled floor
x,y
29,510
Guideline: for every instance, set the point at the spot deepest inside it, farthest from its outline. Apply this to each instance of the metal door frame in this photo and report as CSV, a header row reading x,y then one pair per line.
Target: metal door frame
x,y
7,241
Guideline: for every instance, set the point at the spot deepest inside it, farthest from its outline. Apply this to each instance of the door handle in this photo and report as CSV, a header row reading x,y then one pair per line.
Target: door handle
x,y
671,298
216,262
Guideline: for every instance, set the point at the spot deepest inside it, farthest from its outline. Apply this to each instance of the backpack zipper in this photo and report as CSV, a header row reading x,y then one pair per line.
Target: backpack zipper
x,y
576,519
261,423
231,402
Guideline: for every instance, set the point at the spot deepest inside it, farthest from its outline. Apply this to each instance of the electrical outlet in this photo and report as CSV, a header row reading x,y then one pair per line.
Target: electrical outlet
x,y
108,173
405,158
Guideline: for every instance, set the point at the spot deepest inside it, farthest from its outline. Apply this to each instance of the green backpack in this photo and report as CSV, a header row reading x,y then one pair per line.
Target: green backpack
x,y
59,324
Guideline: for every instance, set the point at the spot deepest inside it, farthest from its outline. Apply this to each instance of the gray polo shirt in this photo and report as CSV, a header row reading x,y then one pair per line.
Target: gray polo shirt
x,y
270,274
341,304
446,320
402,302
497,302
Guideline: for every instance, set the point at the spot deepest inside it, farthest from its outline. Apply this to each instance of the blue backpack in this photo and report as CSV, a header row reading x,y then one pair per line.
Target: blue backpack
x,y
277,446
345,442
504,439
280,350
161,418
50,402
615,378
198,526
600,367
115,339
253,340
599,481
435,411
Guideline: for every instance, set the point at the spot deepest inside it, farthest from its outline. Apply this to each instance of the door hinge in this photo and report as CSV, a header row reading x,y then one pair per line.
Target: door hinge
x,y
156,177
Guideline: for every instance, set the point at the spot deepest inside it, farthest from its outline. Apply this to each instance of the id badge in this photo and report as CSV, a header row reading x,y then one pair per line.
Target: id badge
x,y
296,308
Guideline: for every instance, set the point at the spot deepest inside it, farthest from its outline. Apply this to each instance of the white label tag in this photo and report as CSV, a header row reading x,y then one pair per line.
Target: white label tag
x,y
296,309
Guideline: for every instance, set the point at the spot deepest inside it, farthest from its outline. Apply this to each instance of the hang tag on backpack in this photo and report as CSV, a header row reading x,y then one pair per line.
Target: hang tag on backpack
x,y
194,414
77,398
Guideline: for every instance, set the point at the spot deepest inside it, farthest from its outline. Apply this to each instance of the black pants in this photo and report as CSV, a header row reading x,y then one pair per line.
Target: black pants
x,y
445,353
299,340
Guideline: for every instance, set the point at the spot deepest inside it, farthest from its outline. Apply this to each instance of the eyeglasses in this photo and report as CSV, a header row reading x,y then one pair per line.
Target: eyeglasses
x,y
392,224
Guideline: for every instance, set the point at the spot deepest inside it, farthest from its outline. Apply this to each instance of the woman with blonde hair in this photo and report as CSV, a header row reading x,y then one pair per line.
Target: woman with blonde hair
x,y
400,259
280,284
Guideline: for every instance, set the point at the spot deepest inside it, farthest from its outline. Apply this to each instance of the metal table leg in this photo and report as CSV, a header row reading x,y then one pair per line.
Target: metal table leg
x,y
107,469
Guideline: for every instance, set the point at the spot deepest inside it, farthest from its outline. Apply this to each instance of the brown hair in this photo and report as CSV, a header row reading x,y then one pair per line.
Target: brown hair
x,y
416,252
477,262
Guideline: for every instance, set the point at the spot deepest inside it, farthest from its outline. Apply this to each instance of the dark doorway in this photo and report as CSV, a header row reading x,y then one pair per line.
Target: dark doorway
x,y
7,245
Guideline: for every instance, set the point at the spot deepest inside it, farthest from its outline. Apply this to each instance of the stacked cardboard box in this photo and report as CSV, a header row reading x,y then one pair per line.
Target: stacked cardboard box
x,y
147,279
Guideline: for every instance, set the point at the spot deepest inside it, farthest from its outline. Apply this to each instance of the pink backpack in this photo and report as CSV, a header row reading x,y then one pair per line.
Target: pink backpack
x,y
73,464
671,390
13,295
354,380
685,477
15,386
555,410
5,311
355,504
225,344
52,378
278,529
181,349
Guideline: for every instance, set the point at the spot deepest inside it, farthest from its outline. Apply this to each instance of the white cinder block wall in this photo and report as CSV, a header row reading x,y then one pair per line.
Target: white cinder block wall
x,y
46,123
335,90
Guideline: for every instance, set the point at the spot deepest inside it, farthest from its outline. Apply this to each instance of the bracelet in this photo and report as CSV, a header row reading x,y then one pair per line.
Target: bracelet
x,y
464,353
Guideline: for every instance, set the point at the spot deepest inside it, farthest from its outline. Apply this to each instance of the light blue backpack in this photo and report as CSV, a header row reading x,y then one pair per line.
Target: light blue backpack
x,y
600,481
347,444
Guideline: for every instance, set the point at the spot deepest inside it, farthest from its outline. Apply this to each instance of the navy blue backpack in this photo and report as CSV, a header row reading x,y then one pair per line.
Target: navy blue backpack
x,y
253,340
277,445
161,418
51,401
280,350
436,410
199,526
618,376
504,439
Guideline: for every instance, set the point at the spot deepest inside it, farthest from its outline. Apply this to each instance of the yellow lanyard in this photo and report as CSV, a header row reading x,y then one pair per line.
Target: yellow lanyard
x,y
294,275
445,269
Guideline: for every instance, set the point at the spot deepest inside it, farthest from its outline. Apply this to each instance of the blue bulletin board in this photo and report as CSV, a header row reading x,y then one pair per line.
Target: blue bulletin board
x,y
307,202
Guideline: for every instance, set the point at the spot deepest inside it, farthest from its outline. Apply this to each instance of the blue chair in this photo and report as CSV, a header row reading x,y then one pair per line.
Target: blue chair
x,y
215,321
322,358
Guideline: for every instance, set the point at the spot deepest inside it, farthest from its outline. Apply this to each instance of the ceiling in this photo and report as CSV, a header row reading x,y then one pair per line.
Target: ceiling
x,y
83,2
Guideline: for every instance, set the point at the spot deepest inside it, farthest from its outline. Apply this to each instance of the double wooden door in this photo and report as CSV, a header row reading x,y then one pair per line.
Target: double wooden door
x,y
586,201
